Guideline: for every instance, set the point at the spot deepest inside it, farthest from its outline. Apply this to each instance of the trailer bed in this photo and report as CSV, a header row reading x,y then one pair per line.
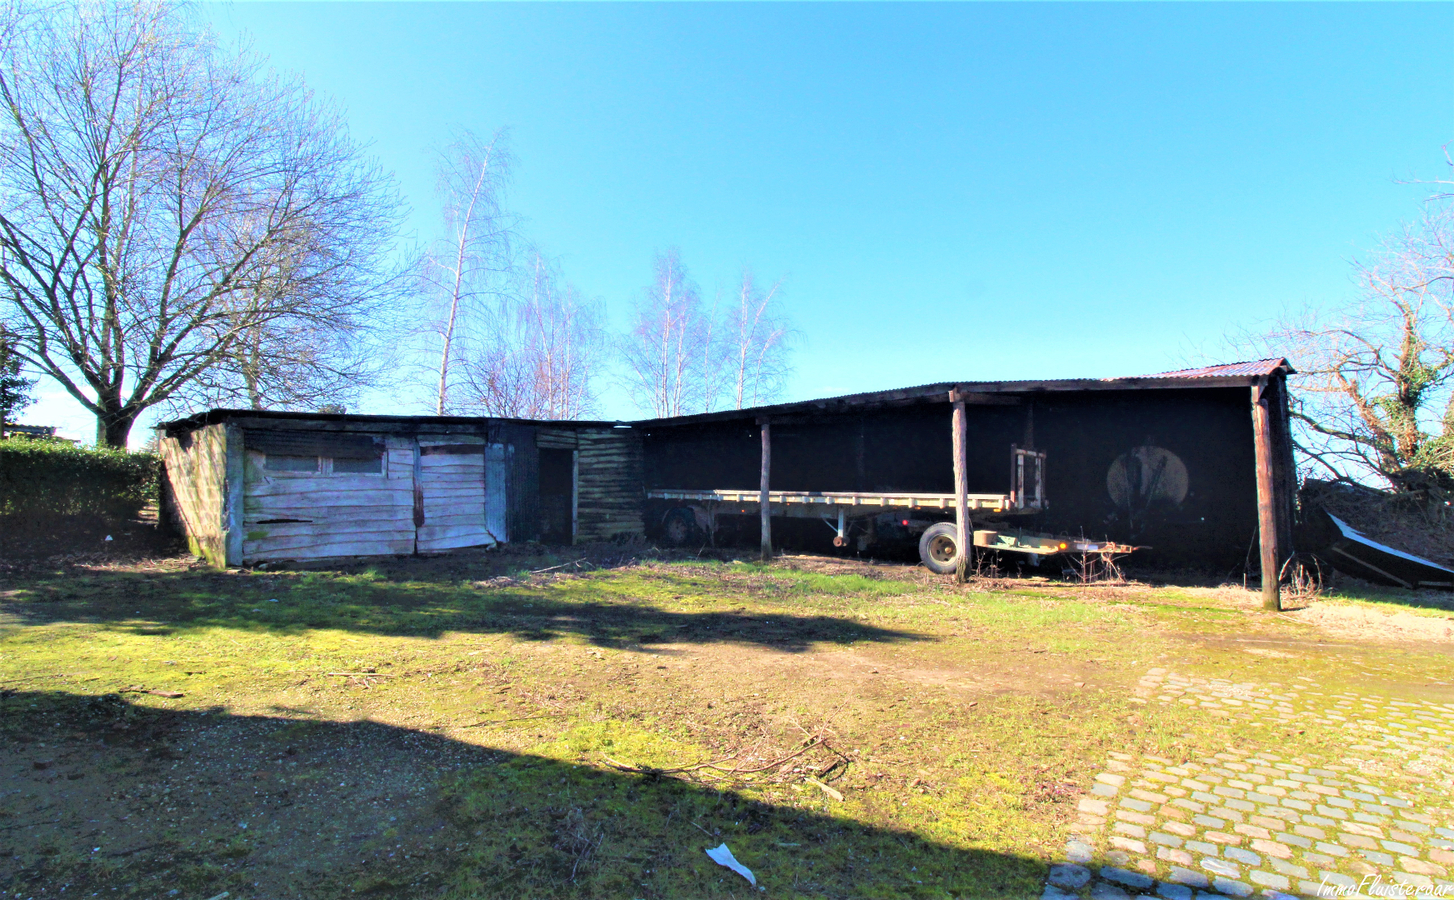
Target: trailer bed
x,y
816,502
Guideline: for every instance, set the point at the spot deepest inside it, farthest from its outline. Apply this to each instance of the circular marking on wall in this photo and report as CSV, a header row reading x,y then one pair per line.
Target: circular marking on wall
x,y
1145,476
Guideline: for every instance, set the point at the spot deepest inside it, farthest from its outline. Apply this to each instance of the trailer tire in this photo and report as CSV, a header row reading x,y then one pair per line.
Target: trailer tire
x,y
679,528
938,550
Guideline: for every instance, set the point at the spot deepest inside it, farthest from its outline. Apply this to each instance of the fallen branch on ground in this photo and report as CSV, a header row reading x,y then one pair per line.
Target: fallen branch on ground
x,y
715,764
518,719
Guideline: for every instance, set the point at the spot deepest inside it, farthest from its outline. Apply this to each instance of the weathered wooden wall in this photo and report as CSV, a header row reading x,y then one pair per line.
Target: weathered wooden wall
x,y
609,484
471,483
195,488
289,515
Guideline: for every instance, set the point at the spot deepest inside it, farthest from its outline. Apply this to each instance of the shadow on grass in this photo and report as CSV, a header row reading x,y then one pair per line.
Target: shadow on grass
x,y
614,609
136,801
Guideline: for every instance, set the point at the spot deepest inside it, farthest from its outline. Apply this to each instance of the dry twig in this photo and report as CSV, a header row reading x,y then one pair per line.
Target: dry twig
x,y
715,764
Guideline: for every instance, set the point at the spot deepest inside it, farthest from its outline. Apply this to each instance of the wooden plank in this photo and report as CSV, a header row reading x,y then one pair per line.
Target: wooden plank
x,y
312,512
399,547
456,465
435,495
270,543
456,520
328,484
1266,497
256,531
431,541
434,532
462,451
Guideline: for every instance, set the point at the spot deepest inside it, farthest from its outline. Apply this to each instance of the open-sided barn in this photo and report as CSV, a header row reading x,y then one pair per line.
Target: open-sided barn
x,y
1192,464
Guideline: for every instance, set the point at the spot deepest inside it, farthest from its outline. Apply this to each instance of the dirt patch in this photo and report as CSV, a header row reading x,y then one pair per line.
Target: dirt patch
x,y
1366,623
108,795
28,542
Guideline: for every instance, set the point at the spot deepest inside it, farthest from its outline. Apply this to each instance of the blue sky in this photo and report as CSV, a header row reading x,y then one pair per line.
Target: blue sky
x,y
952,191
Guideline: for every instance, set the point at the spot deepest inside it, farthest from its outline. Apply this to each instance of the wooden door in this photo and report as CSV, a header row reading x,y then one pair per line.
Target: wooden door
x,y
452,487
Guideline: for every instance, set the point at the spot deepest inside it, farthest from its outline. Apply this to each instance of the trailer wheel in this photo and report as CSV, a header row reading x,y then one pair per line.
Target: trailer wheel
x,y
680,528
938,548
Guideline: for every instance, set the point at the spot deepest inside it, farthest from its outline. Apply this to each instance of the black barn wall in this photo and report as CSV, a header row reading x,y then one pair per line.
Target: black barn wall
x,y
908,449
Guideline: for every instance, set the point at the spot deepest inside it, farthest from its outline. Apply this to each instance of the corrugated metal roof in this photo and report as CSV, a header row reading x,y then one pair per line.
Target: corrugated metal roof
x,y
1253,368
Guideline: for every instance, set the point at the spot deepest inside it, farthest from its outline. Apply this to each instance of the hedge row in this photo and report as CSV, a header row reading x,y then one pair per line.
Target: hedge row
x,y
55,478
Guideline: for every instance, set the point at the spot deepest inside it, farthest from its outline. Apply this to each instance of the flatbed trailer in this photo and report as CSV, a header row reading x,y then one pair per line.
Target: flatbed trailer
x,y
922,513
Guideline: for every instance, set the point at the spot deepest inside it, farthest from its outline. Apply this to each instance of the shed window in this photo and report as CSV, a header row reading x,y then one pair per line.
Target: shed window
x,y
280,463
373,466
323,465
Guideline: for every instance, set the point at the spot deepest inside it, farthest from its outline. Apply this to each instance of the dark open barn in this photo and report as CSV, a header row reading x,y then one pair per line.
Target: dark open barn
x,y
1166,463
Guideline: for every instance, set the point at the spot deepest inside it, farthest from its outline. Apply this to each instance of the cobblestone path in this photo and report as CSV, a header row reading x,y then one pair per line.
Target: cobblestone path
x,y
1237,822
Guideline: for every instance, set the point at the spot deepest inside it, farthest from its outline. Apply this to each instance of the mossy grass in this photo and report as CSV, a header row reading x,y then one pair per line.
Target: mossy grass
x,y
958,724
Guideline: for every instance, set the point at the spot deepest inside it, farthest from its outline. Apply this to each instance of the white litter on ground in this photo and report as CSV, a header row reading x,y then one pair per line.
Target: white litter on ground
x,y
723,857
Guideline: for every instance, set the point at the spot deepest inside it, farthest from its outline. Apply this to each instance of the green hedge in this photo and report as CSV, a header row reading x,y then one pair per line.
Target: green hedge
x,y
41,479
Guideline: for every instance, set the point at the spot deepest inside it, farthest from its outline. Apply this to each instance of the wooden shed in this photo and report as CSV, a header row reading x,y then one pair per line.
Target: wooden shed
x,y
248,486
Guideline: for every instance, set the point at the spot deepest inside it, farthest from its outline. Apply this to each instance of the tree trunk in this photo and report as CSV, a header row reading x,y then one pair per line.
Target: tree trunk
x,y
114,428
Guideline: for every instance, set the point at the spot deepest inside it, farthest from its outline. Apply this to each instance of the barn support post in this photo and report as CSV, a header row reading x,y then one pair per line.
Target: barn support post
x,y
764,506
1267,524
962,535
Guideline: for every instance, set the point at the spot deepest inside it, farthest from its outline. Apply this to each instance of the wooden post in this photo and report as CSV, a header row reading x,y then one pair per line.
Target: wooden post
x,y
762,496
962,534
1267,529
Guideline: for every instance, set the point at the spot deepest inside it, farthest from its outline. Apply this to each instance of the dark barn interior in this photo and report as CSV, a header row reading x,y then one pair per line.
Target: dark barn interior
x,y
1165,462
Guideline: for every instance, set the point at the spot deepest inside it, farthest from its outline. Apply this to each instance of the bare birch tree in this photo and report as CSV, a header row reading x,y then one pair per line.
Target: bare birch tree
x,y
665,348
540,351
466,265
149,185
1375,391
759,344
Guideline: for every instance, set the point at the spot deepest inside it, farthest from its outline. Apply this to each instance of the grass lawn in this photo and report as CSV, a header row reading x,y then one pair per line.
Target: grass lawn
x,y
469,726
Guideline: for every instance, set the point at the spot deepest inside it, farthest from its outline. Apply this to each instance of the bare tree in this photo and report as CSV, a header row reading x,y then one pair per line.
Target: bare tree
x,y
1373,397
322,354
759,338
540,350
668,342
151,188
466,265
